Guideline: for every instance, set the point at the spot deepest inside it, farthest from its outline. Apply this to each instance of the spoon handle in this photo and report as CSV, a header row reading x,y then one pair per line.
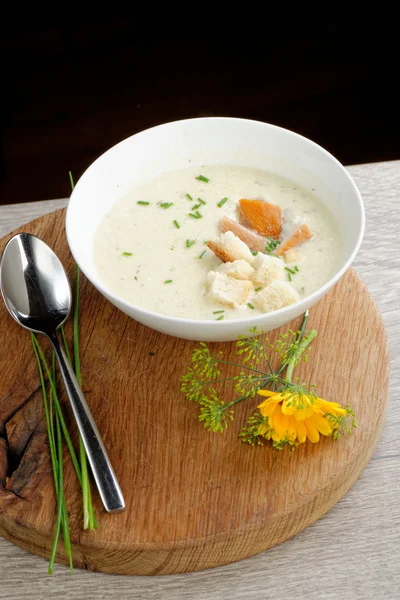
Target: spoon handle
x,y
103,473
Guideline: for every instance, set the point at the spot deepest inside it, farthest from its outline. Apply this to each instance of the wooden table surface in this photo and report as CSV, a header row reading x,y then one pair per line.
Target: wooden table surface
x,y
353,552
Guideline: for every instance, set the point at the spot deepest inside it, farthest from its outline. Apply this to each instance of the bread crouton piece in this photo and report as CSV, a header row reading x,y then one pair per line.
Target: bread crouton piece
x,y
228,291
267,269
276,295
293,256
238,269
230,248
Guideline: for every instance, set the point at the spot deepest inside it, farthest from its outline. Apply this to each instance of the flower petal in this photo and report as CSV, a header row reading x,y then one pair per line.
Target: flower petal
x,y
288,410
321,424
267,393
263,428
331,407
279,424
268,406
312,432
301,431
303,413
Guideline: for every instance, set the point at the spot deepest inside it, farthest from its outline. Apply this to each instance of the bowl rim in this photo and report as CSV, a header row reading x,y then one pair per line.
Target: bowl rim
x,y
300,305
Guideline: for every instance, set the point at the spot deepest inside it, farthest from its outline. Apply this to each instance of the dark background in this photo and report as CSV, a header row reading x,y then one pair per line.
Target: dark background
x,y
73,88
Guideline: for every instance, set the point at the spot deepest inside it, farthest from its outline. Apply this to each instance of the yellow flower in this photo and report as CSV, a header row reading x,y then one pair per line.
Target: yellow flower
x,y
294,416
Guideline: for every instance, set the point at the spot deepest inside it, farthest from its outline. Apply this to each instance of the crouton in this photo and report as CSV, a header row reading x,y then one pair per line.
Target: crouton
x,y
276,295
230,248
293,256
267,269
228,291
238,269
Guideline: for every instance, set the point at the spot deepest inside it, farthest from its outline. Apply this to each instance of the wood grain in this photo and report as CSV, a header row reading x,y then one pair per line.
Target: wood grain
x,y
222,500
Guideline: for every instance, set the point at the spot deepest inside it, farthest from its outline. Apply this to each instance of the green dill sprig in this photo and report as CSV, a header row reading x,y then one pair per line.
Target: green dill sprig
x,y
342,424
256,431
214,413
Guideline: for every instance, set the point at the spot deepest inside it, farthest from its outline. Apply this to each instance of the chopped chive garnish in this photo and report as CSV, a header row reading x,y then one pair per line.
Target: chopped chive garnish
x,y
175,222
166,204
272,245
194,216
143,203
216,312
195,206
296,268
201,201
250,306
202,254
220,318
222,202
190,243
290,271
258,289
127,254
168,281
206,242
202,178
190,197
254,253
199,216
289,277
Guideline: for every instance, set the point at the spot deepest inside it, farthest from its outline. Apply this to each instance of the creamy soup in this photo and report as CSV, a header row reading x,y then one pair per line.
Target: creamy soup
x,y
150,248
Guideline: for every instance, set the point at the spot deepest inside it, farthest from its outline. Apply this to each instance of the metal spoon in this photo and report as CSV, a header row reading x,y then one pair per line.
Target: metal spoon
x,y
37,294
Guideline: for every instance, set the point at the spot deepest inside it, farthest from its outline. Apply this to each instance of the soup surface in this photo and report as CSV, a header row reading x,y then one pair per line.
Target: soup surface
x,y
150,248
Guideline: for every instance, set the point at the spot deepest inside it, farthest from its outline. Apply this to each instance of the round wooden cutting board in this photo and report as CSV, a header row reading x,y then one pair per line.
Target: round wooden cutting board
x,y
194,499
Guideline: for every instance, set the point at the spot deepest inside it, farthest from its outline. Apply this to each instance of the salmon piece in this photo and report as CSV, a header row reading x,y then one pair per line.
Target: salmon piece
x,y
252,240
262,216
299,237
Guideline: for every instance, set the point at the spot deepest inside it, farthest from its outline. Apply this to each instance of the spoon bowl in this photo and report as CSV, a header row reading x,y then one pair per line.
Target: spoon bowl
x,y
36,290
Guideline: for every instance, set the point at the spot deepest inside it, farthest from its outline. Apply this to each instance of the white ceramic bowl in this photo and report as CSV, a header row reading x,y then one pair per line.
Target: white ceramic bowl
x,y
211,141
